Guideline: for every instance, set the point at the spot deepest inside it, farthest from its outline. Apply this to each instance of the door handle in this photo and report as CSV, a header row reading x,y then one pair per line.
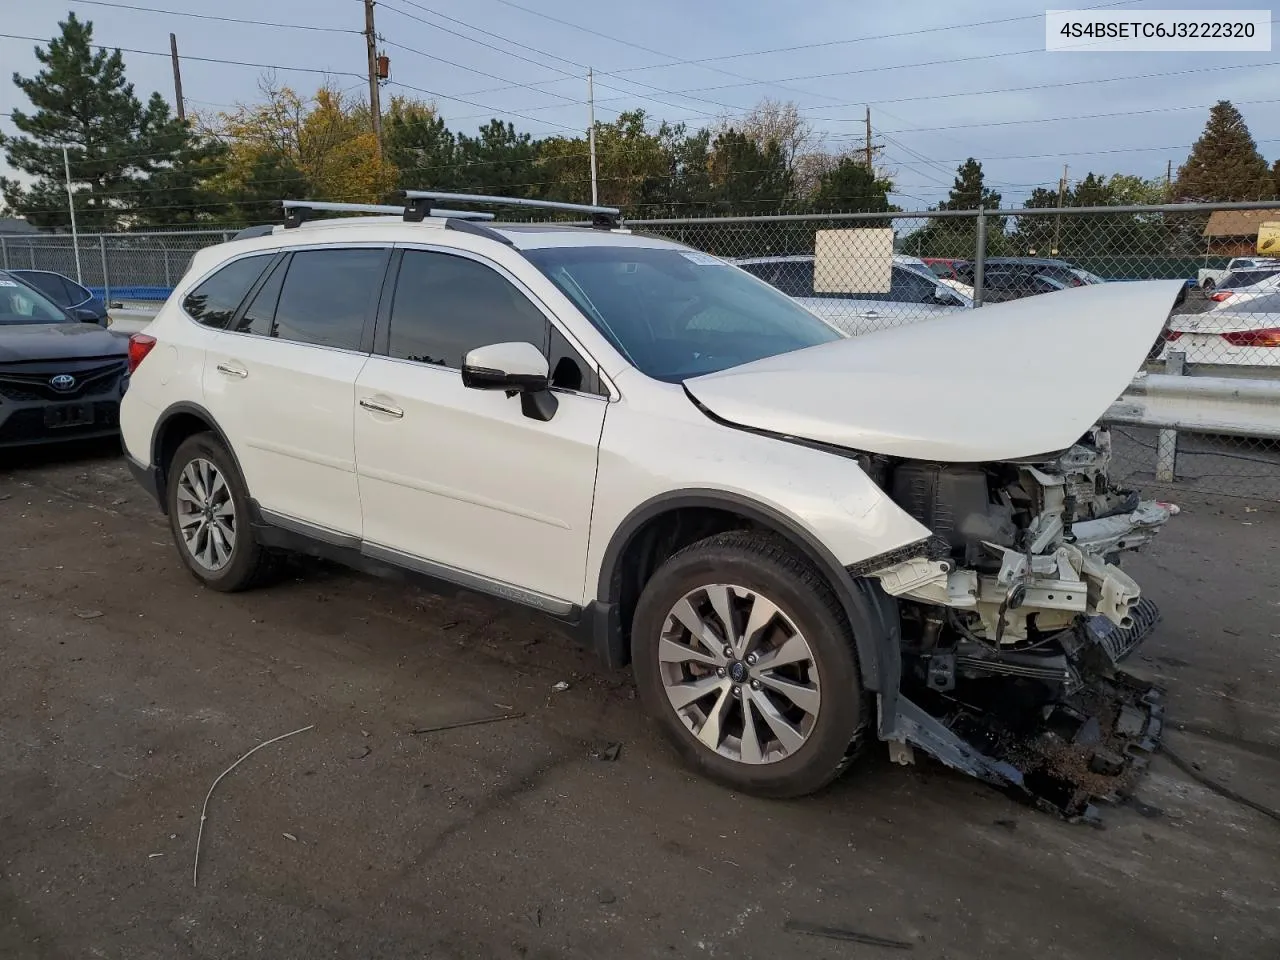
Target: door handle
x,y
871,313
233,370
378,407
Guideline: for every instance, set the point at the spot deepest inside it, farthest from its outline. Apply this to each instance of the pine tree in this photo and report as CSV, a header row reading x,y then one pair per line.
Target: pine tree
x,y
1224,164
83,101
968,192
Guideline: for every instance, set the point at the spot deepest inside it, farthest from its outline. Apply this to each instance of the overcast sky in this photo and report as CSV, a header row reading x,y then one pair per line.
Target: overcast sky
x,y
928,110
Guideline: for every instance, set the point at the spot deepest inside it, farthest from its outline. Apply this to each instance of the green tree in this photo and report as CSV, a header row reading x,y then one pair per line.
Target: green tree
x,y
1224,164
969,190
746,177
957,236
849,187
115,144
420,146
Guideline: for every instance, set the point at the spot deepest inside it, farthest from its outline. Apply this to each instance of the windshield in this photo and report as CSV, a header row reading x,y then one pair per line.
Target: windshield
x,y
675,313
22,304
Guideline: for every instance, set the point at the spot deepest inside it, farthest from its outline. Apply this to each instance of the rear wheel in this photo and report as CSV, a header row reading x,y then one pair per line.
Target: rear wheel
x,y
209,517
743,655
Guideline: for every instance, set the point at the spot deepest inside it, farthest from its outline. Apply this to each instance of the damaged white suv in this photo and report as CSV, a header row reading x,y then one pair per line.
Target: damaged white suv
x,y
794,538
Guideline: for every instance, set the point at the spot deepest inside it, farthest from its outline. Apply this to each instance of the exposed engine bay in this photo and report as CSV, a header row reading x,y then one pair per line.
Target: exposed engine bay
x,y
1015,617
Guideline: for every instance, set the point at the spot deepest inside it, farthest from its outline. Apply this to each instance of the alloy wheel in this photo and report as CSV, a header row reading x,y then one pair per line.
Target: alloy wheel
x,y
206,514
739,673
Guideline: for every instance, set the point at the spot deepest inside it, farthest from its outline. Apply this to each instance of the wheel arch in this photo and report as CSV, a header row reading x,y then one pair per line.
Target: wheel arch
x,y
875,631
178,422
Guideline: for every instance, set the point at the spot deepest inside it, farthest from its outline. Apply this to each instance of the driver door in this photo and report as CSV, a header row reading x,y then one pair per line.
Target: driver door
x,y
459,482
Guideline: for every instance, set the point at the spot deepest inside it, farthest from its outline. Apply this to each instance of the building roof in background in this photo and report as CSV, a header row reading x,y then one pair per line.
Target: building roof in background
x,y
1238,223
14,225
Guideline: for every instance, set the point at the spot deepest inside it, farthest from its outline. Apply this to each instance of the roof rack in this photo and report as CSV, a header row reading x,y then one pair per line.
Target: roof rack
x,y
298,212
417,206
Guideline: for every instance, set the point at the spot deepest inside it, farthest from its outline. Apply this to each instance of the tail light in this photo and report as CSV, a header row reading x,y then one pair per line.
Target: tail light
x,y
1221,296
140,345
1171,335
1254,338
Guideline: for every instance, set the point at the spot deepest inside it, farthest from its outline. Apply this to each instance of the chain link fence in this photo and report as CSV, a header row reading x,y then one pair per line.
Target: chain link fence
x,y
866,272
115,266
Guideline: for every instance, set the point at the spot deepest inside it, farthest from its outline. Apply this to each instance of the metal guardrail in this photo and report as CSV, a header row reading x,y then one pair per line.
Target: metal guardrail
x,y
1221,405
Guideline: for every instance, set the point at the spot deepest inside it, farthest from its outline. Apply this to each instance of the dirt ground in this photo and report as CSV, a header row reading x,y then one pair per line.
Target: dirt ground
x,y
125,689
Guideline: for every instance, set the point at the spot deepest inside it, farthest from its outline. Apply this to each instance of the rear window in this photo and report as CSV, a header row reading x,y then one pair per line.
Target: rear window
x,y
1268,304
1244,278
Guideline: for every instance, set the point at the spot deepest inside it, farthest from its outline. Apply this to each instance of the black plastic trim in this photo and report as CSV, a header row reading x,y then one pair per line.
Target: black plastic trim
x,y
285,533
479,230
878,654
171,411
147,477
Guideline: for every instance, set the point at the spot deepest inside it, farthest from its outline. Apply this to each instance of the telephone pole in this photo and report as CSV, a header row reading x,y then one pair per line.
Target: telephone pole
x,y
177,80
1168,180
375,100
868,139
591,134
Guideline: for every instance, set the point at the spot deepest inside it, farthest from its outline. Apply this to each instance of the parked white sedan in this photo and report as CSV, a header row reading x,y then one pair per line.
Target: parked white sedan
x,y
912,295
1245,334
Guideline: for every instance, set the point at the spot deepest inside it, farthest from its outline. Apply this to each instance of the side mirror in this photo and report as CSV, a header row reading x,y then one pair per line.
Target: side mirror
x,y
517,367
84,314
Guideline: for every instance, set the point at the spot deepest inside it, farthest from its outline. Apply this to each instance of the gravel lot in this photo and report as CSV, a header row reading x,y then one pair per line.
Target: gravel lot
x,y
125,690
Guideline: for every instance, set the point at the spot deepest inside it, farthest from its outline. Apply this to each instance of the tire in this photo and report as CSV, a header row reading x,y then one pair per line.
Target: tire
x,y
757,567
198,460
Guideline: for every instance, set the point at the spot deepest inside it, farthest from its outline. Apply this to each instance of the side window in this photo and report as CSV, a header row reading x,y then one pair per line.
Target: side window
x,y
76,294
326,297
910,287
213,302
260,316
445,306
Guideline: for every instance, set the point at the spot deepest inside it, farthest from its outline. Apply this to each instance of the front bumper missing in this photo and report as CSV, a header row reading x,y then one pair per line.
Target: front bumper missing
x,y
1087,748
978,711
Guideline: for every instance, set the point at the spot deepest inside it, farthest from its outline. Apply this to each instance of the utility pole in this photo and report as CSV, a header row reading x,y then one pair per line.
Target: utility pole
x,y
71,206
1168,180
868,139
375,100
591,134
177,80
1057,221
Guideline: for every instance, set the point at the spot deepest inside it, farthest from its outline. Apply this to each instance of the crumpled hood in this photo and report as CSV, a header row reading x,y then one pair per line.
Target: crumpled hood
x,y
1009,380
58,341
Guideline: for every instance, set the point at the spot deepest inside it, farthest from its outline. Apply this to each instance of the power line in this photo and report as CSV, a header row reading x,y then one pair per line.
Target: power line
x,y
187,56
637,46
209,16
564,74
1055,119
698,61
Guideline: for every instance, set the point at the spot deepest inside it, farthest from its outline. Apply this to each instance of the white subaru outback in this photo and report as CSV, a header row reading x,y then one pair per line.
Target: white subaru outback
x,y
793,537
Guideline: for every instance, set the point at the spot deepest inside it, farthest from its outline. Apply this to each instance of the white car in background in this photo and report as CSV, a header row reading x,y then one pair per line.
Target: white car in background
x,y
1244,285
914,293
1246,333
1208,279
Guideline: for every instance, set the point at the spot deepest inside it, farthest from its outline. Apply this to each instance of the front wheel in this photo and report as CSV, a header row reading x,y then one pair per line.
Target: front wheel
x,y
209,517
743,655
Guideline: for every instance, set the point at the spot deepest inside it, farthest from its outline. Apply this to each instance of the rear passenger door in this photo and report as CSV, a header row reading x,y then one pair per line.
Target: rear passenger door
x,y
458,482
280,380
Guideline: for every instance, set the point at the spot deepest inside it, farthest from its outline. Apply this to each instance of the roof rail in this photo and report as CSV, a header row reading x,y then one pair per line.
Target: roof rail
x,y
297,212
417,206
